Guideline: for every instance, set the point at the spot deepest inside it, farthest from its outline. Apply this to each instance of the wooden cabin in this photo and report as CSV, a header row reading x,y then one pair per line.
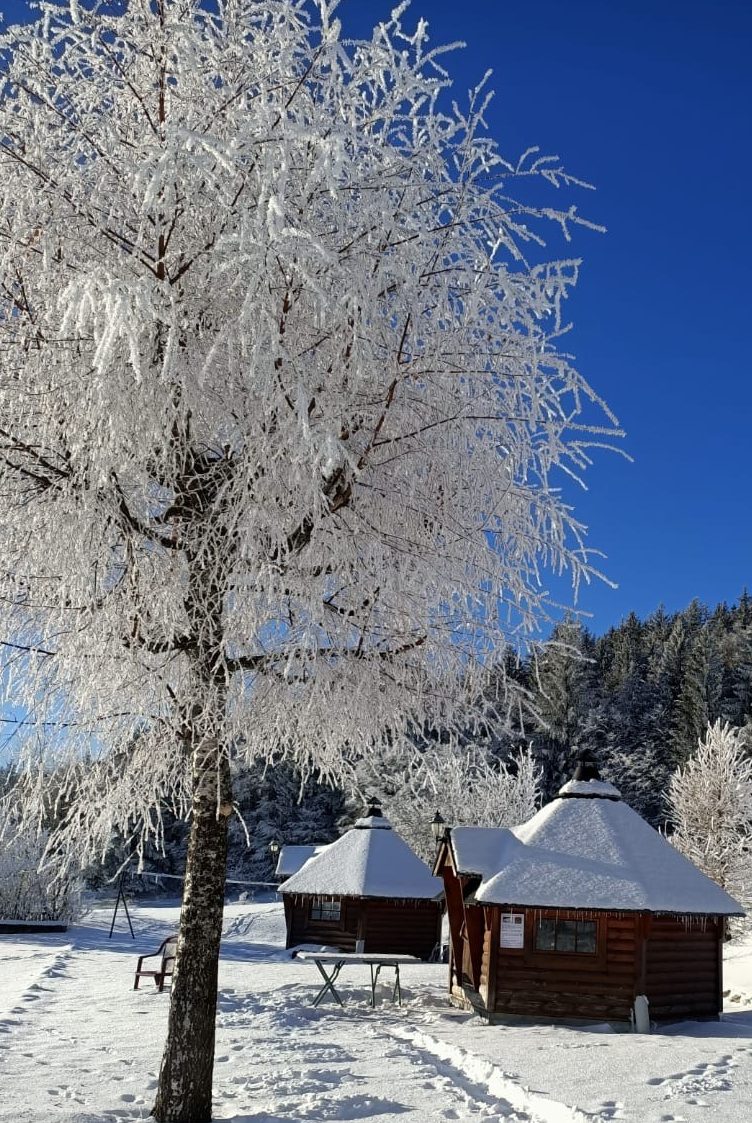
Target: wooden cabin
x,y
582,913
291,858
367,891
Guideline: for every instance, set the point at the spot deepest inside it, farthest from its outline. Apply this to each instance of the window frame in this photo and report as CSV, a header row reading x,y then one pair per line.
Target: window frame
x,y
322,906
581,956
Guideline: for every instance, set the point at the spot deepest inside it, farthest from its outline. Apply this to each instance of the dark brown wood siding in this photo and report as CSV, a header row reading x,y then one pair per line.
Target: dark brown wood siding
x,y
403,927
396,927
558,985
683,968
474,938
301,929
488,962
453,891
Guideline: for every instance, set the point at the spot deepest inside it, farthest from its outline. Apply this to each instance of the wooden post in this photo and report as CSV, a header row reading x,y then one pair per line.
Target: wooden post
x,y
453,893
493,922
720,928
475,928
121,897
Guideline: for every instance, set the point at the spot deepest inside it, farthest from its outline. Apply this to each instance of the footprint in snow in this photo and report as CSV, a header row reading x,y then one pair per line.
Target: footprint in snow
x,y
611,1109
697,1081
327,1076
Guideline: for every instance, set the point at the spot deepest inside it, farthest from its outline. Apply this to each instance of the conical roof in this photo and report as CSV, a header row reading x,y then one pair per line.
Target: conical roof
x,y
587,850
370,860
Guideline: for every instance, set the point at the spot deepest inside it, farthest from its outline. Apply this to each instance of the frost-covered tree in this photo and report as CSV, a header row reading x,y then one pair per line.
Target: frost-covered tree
x,y
28,892
710,807
466,785
281,410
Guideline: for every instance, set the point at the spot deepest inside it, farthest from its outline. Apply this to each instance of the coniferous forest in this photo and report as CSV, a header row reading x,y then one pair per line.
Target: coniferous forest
x,y
641,695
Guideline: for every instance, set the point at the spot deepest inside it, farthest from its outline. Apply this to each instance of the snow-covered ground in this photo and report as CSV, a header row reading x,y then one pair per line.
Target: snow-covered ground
x,y
77,1044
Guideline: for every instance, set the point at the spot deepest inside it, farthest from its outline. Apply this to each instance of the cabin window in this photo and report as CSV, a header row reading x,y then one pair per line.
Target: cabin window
x,y
324,910
578,936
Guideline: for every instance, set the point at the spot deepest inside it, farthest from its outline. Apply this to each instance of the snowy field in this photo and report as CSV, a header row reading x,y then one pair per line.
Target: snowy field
x,y
77,1044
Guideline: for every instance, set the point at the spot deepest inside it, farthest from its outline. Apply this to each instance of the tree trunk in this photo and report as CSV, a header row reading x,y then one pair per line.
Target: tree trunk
x,y
185,1078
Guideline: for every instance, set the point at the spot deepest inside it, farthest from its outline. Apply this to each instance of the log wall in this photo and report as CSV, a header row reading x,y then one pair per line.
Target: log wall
x,y
488,968
561,985
301,929
390,926
403,927
677,964
683,970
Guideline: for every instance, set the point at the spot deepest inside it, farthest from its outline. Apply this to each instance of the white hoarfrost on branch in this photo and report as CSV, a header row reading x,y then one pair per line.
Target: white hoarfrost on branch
x,y
467,786
710,808
282,416
28,893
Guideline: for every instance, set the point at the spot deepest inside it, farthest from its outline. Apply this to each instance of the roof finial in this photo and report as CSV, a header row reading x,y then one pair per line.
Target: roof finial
x,y
373,811
587,766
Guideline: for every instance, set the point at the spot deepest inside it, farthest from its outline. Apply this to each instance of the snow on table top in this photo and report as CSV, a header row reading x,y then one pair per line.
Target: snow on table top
x,y
355,957
367,861
588,853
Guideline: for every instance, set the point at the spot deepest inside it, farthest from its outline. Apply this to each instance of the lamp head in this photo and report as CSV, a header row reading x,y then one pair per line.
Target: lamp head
x,y
438,826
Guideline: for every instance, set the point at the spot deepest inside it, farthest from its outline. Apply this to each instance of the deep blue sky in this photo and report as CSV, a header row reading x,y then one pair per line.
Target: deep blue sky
x,y
650,101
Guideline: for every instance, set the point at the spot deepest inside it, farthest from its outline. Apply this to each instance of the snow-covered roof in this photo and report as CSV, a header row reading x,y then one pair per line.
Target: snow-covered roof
x,y
593,789
371,860
477,850
586,849
373,822
291,858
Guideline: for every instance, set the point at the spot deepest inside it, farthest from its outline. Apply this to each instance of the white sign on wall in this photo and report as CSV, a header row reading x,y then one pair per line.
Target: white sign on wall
x,y
512,930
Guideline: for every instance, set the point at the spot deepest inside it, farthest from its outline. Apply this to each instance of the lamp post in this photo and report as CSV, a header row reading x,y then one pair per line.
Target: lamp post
x,y
438,828
274,849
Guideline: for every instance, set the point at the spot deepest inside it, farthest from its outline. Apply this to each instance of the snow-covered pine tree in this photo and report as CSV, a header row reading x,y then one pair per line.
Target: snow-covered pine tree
x,y
280,404
276,803
684,673
560,692
731,639
710,808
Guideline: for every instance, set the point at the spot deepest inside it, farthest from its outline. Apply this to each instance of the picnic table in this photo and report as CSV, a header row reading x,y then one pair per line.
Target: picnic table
x,y
336,960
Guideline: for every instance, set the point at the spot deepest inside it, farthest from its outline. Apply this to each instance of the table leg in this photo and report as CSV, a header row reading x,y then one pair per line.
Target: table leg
x,y
397,992
374,980
329,981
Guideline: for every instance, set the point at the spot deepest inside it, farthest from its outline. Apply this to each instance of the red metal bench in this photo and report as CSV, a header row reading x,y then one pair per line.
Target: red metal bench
x,y
166,953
